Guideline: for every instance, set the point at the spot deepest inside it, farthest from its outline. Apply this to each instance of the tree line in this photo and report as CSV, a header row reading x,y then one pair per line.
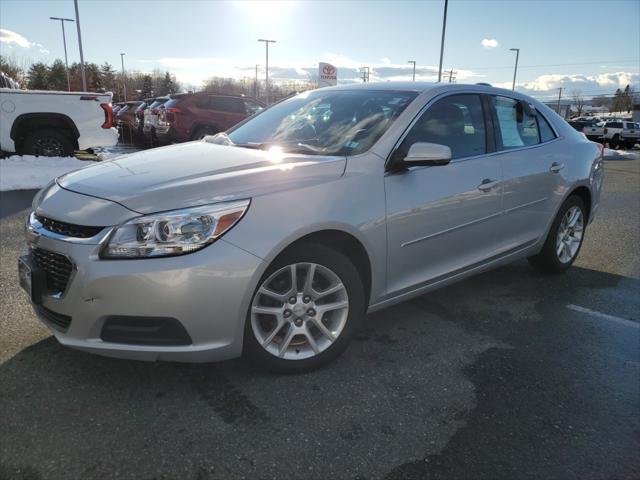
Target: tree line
x,y
100,78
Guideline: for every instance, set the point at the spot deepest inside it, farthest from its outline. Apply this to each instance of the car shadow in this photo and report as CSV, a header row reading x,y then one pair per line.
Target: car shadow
x,y
15,201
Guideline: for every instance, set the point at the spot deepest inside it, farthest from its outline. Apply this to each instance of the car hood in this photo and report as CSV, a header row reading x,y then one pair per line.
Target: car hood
x,y
198,173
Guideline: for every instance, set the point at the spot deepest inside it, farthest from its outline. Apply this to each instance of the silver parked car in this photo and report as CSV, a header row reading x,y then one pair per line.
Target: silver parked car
x,y
275,238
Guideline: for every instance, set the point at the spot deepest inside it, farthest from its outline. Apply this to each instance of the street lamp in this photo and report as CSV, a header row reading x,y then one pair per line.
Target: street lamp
x,y
256,84
84,77
444,26
266,75
414,69
517,50
124,83
64,42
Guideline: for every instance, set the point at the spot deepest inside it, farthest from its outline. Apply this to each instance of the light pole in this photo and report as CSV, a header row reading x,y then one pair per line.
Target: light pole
x,y
124,82
414,69
64,42
84,78
266,75
365,74
256,85
444,26
515,70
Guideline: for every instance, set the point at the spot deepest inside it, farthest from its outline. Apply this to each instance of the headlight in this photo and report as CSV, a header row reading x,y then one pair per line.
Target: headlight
x,y
173,233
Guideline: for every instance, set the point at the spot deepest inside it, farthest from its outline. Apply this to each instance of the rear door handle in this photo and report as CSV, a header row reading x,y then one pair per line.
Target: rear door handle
x,y
556,167
487,184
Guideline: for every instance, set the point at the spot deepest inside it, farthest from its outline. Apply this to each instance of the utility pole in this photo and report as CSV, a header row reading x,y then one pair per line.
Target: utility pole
x,y
124,80
414,69
64,42
515,70
444,26
559,96
266,76
256,84
365,74
84,78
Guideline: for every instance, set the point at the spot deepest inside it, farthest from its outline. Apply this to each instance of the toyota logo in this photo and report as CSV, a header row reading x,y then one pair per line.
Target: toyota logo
x,y
329,70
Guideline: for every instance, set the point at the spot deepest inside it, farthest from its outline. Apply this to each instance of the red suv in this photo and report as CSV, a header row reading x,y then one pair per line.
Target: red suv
x,y
191,116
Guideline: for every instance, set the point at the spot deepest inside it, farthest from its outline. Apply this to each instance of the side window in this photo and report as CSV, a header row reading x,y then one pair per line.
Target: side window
x,y
546,133
202,102
226,104
456,121
516,127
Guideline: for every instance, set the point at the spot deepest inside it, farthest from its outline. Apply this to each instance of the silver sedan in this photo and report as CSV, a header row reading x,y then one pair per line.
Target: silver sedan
x,y
275,238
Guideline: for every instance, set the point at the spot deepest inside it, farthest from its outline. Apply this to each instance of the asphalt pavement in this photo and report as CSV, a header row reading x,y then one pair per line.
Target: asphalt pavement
x,y
511,374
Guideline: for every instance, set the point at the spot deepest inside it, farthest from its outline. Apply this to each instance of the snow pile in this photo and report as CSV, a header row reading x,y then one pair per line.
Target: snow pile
x,y
30,172
620,154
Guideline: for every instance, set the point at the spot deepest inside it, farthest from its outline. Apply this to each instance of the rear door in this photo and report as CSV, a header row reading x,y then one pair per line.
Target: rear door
x,y
533,169
442,219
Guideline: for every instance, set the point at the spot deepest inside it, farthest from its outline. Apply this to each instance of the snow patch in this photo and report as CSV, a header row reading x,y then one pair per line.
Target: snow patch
x,y
29,172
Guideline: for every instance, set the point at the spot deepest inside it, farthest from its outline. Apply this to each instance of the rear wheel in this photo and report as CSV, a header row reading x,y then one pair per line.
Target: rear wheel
x,y
565,238
47,143
305,310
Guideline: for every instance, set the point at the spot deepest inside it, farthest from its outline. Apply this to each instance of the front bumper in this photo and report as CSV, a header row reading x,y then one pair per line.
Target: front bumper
x,y
208,292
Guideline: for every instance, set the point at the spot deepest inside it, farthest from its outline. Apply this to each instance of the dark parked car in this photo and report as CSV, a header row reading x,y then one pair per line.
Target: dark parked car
x,y
125,118
191,116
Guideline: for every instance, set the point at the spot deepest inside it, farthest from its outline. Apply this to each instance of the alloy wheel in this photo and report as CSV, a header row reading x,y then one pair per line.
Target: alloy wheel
x,y
570,234
299,311
49,147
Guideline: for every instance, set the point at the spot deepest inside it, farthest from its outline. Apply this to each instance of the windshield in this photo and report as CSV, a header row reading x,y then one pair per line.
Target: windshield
x,y
323,122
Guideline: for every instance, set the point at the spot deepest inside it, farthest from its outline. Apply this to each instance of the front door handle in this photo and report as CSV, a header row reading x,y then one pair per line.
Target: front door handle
x,y
556,167
487,184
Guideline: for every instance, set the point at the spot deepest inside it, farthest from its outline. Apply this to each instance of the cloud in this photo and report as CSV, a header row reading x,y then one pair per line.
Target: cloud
x,y
489,43
11,38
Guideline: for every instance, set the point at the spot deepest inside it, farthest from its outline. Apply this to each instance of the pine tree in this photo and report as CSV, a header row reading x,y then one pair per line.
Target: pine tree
x,y
37,75
57,78
108,75
168,85
94,77
147,87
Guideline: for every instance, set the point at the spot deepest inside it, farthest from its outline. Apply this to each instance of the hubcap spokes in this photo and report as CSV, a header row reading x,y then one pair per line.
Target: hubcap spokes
x,y
299,311
49,147
570,234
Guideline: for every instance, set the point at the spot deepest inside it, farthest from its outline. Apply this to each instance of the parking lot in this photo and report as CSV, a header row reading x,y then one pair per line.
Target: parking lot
x,y
511,374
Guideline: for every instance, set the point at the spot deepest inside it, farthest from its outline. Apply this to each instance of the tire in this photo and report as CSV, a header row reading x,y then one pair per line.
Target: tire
x,y
614,143
274,329
47,143
549,260
202,132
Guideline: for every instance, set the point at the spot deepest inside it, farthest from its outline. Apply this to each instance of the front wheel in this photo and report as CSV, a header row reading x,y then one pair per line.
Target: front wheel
x,y
565,238
305,310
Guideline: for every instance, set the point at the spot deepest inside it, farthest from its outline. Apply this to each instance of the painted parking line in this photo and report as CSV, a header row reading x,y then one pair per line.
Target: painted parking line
x,y
604,316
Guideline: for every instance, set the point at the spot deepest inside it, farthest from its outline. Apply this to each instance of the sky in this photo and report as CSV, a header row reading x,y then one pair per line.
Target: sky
x,y
580,45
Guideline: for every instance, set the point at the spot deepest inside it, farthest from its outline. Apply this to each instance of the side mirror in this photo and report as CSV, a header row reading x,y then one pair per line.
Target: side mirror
x,y
426,154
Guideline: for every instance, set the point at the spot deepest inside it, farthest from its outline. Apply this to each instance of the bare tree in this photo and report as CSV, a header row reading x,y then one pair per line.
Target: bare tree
x,y
578,101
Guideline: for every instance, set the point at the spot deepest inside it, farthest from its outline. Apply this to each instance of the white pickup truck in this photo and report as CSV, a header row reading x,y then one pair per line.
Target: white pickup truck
x,y
54,124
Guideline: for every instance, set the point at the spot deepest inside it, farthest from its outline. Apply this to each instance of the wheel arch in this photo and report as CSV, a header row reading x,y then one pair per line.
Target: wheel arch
x,y
342,241
30,121
585,195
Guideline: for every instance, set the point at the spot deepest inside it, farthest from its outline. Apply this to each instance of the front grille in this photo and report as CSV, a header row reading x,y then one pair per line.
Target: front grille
x,y
57,269
68,229
57,320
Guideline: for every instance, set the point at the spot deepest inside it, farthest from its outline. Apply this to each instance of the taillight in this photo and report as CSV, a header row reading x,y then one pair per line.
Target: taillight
x,y
108,115
601,146
170,114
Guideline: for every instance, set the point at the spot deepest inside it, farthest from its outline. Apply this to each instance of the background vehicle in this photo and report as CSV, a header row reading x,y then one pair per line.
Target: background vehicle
x,y
613,132
151,114
593,131
126,119
139,117
191,116
376,193
630,134
55,123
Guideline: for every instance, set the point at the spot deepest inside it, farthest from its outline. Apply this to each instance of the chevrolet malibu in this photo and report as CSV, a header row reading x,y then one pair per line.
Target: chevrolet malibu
x,y
275,238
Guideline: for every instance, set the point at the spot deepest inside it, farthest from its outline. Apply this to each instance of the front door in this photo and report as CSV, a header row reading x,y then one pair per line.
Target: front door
x,y
441,219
